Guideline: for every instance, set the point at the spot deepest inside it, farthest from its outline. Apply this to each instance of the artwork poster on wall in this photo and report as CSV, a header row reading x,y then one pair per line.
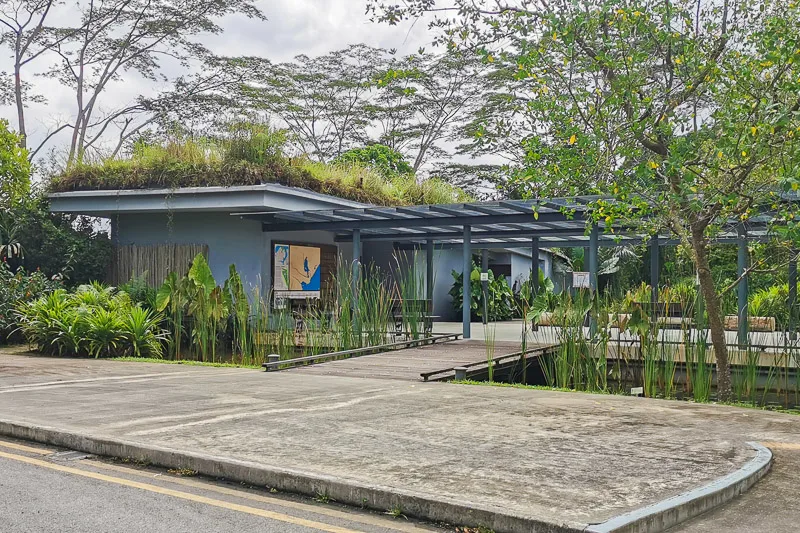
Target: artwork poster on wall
x,y
297,273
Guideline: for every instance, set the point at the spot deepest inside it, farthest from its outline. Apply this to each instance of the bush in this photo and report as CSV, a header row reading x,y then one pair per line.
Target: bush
x,y
17,288
500,303
379,157
94,320
67,246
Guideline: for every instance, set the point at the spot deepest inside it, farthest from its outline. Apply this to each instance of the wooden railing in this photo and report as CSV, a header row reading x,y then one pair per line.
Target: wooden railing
x,y
369,350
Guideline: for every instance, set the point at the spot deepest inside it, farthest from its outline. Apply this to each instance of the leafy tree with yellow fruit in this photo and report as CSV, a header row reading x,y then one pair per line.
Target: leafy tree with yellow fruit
x,y
686,113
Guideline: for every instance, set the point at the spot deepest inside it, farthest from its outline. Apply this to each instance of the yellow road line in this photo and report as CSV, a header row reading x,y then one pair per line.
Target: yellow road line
x,y
182,495
23,448
782,445
280,502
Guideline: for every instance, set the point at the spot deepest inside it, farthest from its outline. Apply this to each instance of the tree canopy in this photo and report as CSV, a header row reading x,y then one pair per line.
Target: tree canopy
x,y
378,156
15,169
681,103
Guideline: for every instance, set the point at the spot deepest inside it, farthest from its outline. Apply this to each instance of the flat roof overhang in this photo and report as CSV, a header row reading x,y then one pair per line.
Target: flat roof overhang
x,y
259,198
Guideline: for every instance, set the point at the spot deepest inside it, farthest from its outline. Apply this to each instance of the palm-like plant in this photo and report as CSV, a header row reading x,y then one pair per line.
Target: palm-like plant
x,y
143,334
104,332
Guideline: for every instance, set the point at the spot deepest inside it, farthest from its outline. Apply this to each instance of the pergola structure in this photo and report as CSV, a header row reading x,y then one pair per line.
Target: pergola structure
x,y
553,222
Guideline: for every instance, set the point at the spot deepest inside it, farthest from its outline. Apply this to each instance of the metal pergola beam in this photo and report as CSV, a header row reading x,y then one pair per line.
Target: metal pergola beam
x,y
467,220
446,235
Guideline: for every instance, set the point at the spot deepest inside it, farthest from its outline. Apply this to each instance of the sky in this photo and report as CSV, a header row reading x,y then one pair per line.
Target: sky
x,y
293,27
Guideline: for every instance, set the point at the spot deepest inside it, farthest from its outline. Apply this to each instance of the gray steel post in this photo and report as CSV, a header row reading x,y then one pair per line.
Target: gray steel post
x,y
742,292
534,267
792,294
485,284
593,268
654,263
429,270
466,289
356,274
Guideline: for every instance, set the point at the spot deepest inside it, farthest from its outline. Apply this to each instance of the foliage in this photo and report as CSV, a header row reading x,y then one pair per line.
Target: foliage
x,y
140,292
500,300
15,170
247,159
94,320
771,302
16,288
362,96
654,103
386,161
70,247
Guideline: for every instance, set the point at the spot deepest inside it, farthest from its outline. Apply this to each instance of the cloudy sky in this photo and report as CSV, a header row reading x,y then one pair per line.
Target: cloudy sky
x,y
293,27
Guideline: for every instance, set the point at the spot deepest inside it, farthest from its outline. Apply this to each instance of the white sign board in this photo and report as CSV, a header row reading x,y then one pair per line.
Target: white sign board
x,y
580,280
484,276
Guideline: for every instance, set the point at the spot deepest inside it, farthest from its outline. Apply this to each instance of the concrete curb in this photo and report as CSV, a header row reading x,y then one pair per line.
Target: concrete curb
x,y
649,519
672,511
342,491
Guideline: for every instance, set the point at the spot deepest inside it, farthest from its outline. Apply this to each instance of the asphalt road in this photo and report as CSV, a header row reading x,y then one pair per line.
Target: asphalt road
x,y
44,490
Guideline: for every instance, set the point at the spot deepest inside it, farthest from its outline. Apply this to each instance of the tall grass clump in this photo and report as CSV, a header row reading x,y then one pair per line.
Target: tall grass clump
x,y
411,293
249,154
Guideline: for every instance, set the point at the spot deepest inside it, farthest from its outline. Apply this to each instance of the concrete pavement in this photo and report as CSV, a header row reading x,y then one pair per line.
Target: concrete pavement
x,y
771,505
562,458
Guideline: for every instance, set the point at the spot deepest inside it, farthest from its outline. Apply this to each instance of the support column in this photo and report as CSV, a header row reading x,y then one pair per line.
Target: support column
x,y
792,294
356,274
654,264
534,267
593,268
466,302
742,292
593,258
586,254
429,270
485,284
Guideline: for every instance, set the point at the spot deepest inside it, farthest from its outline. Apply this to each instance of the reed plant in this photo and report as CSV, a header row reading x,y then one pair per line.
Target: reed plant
x,y
489,340
410,290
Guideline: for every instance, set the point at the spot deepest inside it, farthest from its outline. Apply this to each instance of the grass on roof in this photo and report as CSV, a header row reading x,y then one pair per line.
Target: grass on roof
x,y
204,163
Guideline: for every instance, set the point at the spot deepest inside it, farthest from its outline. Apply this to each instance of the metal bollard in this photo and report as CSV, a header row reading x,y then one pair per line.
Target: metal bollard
x,y
273,358
461,373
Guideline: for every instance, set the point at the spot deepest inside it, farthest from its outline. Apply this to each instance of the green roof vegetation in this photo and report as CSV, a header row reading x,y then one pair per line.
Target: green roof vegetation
x,y
251,160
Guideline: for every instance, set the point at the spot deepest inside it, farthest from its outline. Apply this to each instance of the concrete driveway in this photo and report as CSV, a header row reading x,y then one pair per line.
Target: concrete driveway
x,y
560,457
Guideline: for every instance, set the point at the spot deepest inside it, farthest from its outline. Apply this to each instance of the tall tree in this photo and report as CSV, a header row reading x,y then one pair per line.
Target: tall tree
x,y
24,28
424,99
321,100
101,42
690,104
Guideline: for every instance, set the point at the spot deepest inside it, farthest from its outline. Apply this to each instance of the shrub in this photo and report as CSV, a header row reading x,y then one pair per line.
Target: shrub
x,y
16,288
379,157
500,304
66,246
94,320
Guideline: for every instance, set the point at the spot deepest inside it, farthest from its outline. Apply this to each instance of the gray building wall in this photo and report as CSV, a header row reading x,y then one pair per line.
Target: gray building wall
x,y
234,240
229,239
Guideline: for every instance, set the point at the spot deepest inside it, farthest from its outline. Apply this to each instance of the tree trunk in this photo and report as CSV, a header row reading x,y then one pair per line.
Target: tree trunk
x,y
714,312
20,106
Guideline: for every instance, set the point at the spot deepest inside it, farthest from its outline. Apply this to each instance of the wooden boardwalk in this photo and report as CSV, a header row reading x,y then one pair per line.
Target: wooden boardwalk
x,y
409,363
